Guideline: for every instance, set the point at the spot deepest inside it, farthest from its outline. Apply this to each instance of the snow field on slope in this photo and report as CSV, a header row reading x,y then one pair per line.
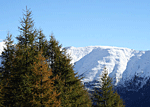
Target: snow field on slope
x,y
122,63
92,63
1,49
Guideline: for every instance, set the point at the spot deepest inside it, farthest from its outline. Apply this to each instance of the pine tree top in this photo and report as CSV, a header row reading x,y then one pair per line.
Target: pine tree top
x,y
105,95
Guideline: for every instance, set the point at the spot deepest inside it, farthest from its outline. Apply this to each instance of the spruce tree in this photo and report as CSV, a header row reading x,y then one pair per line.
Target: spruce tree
x,y
19,81
30,46
26,80
118,101
27,87
26,51
6,69
104,95
44,92
72,92
17,70
1,94
28,34
16,85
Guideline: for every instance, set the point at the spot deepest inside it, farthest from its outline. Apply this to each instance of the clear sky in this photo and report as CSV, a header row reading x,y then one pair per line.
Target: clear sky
x,y
80,23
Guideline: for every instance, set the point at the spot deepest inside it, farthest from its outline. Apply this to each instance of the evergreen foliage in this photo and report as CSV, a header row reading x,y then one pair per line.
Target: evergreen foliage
x,y
36,72
6,69
17,71
44,92
68,84
20,84
104,95
16,84
1,94
28,35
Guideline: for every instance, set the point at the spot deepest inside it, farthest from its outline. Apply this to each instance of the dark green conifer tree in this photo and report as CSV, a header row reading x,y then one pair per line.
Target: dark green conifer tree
x,y
26,51
72,92
21,84
18,71
104,95
28,34
16,84
1,94
24,86
6,69
17,74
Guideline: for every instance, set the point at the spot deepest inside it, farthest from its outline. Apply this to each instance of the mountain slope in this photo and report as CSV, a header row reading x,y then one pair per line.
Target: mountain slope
x,y
1,49
1,46
123,64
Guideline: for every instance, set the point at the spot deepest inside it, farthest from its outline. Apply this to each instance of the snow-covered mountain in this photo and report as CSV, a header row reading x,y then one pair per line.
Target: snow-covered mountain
x,y
123,64
1,46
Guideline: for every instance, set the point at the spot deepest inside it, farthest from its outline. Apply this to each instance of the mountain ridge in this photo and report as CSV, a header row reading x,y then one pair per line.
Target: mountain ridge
x,y
122,63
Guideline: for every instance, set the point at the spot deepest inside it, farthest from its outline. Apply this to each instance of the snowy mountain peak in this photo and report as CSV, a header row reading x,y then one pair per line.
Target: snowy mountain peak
x,y
1,46
122,63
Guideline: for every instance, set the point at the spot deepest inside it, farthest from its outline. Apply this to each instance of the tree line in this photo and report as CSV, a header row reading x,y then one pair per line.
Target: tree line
x,y
37,72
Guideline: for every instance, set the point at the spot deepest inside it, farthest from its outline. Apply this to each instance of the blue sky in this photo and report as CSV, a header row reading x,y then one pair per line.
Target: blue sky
x,y
80,23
